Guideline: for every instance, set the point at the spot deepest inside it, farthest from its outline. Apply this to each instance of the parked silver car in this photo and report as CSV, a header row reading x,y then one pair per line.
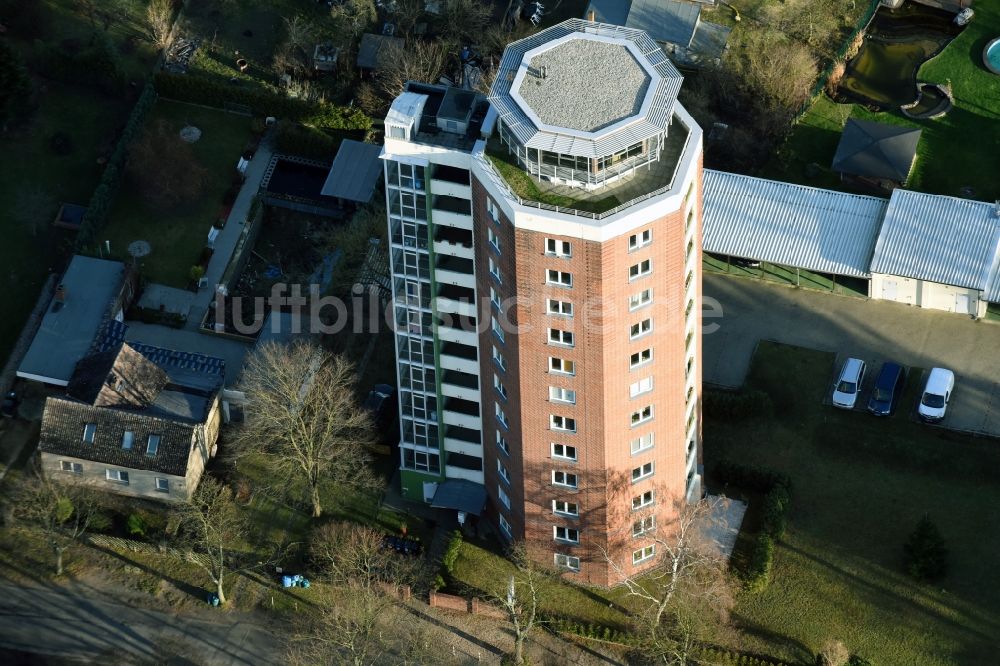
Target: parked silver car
x,y
937,393
845,393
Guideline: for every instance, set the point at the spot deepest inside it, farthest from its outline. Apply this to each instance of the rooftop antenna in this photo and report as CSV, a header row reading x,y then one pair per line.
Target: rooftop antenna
x,y
543,71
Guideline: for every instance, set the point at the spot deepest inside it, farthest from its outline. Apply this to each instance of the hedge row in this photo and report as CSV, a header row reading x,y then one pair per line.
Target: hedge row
x,y
776,488
737,405
294,139
211,92
104,194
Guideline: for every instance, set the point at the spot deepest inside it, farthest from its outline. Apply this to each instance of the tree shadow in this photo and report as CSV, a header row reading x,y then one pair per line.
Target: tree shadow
x,y
455,630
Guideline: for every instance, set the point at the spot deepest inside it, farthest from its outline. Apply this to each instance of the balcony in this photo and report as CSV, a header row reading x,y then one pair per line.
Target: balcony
x,y
453,242
455,271
450,189
456,334
456,299
459,357
462,446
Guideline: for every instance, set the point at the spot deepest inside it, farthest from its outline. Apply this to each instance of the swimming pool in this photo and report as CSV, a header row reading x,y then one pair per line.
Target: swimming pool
x,y
991,56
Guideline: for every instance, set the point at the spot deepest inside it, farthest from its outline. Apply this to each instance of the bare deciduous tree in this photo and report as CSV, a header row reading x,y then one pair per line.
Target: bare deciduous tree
x,y
159,21
407,14
294,55
464,20
354,15
355,555
522,598
687,594
61,512
420,61
304,421
212,525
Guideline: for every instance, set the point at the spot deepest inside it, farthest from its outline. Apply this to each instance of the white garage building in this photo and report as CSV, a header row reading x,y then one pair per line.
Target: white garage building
x,y
938,252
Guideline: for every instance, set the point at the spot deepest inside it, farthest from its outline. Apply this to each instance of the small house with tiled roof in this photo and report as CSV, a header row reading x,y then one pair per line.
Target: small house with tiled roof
x,y
136,420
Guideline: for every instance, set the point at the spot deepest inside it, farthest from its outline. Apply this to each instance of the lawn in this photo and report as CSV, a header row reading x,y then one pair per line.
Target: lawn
x,y
177,236
860,486
958,150
90,119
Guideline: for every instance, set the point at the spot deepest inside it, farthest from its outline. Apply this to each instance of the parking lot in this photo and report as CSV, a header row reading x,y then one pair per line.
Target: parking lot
x,y
871,330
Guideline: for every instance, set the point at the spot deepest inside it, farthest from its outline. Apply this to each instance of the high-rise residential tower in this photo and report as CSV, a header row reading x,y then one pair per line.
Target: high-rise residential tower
x,y
547,294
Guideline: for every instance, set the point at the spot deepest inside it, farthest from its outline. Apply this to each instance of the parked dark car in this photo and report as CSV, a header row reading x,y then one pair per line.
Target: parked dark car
x,y
745,263
888,387
9,405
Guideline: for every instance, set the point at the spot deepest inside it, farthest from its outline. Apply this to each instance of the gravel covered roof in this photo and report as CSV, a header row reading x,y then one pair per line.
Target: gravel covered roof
x,y
586,85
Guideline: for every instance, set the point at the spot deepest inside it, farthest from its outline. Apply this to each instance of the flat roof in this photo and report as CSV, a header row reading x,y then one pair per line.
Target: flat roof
x,y
876,150
940,239
669,21
793,225
68,328
354,172
584,85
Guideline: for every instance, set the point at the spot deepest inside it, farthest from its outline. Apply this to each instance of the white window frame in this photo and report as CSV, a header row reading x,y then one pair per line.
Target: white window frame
x,y
562,395
561,423
500,415
558,248
492,210
70,467
493,239
499,359
501,442
565,479
568,534
643,471
563,451
643,525
568,562
153,442
640,270
642,415
641,387
495,271
117,476
640,328
642,443
640,299
647,498
162,485
504,497
499,387
640,240
644,554
557,308
564,508
558,278
495,298
561,338
506,528
503,472
562,366
640,358
89,433
497,330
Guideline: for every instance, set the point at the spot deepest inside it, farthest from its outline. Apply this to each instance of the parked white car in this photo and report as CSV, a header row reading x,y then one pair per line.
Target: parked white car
x,y
937,393
845,393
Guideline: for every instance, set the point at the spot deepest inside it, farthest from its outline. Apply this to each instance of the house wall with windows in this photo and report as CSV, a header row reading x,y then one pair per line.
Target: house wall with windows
x,y
926,294
107,478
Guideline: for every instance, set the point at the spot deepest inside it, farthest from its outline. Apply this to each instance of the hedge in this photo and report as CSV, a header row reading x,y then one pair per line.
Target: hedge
x,y
210,92
776,488
737,405
104,194
451,552
294,139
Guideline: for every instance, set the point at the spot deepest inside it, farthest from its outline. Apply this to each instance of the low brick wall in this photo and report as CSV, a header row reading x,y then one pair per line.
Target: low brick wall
x,y
462,605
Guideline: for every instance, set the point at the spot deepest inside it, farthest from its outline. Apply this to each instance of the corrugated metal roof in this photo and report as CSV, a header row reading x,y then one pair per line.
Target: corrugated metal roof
x,y
793,225
655,121
672,21
939,239
354,172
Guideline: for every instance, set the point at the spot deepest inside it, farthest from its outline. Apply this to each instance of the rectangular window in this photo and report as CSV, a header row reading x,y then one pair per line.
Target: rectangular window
x,y
643,443
163,485
501,416
495,298
497,331
493,239
499,359
152,445
562,366
502,471
559,278
560,337
557,394
504,497
89,430
640,328
502,443
492,210
127,439
641,472
641,239
499,387
640,300
74,467
564,451
643,526
495,271
557,307
505,526
565,479
643,554
565,508
640,358
644,385
117,475
570,562
568,534
641,415
558,248
562,423
640,269
643,500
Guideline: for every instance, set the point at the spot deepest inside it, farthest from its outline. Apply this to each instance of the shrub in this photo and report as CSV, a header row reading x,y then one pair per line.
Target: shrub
x,y
858,660
773,519
451,552
98,64
196,273
294,139
15,85
737,405
833,653
758,573
926,557
136,525
749,477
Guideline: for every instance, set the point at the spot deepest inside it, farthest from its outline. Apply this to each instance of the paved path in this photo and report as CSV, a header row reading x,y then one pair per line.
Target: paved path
x,y
232,351
872,330
55,621
225,242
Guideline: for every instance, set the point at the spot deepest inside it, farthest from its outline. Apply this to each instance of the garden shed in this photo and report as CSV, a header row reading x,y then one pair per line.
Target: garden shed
x,y
354,172
375,49
876,153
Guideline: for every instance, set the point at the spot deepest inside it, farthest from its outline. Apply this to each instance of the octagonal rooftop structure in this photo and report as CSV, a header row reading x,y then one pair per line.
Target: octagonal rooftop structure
x,y
585,89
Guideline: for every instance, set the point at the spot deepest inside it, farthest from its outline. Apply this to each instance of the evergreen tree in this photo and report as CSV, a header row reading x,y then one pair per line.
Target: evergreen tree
x,y
15,85
926,556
